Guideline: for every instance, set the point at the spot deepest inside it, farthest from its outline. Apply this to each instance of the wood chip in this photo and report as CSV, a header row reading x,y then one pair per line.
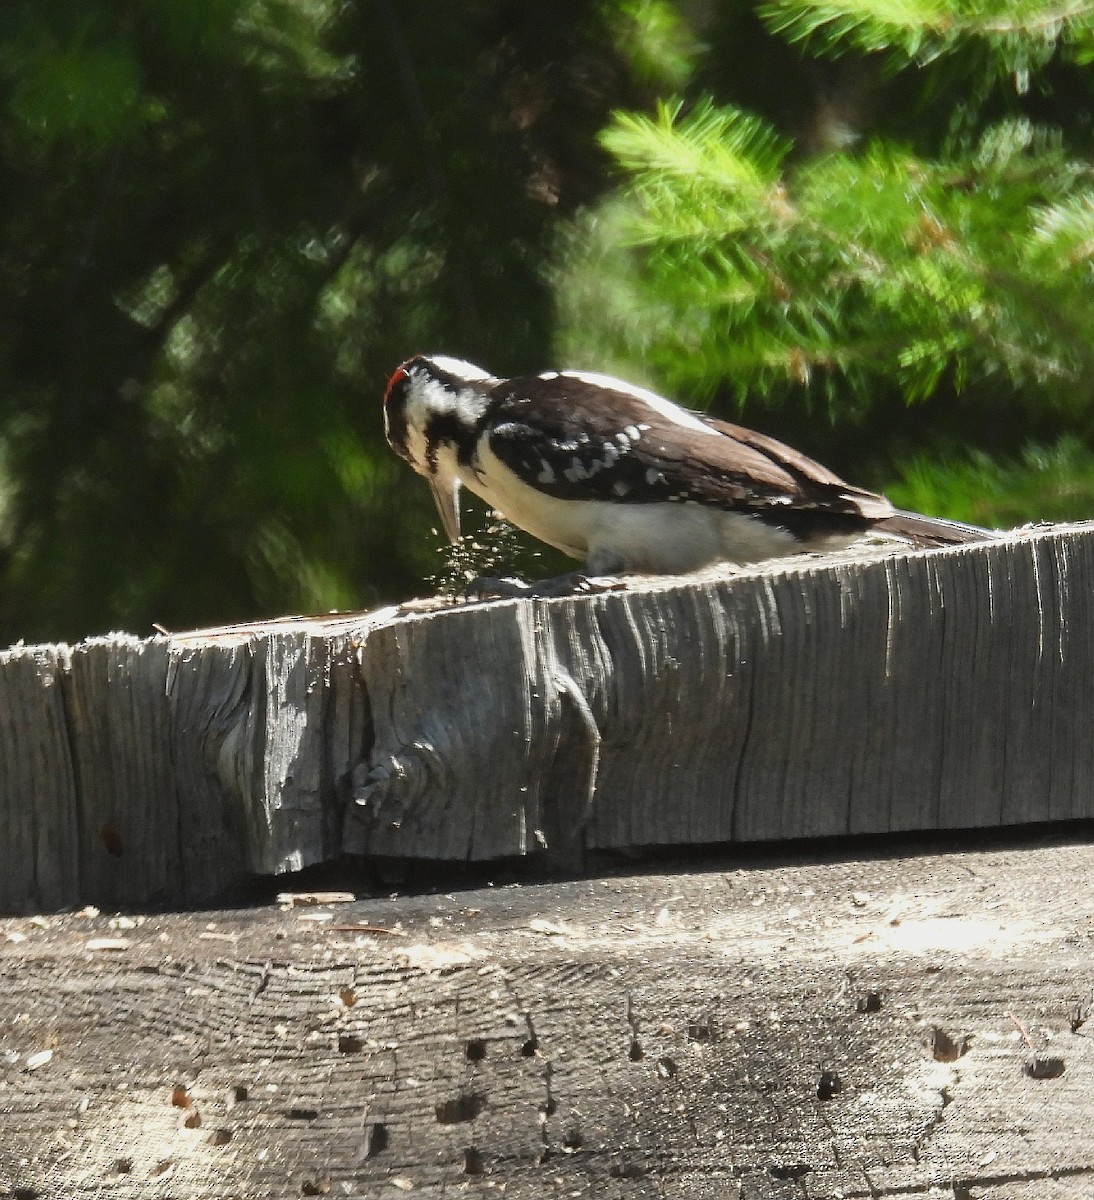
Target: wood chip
x,y
367,929
107,944
551,928
302,899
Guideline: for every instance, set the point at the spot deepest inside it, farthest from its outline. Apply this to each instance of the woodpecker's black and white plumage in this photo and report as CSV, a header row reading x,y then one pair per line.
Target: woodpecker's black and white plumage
x,y
622,478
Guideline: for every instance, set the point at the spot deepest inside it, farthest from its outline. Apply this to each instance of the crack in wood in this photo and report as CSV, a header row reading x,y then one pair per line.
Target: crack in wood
x,y
963,1188
70,725
568,687
263,980
635,1052
945,1097
745,740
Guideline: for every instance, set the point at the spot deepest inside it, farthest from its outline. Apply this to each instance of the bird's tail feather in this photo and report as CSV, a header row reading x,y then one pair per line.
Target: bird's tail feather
x,y
927,532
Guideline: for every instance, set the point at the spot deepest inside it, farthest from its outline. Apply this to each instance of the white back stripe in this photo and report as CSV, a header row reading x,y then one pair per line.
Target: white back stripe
x,y
666,408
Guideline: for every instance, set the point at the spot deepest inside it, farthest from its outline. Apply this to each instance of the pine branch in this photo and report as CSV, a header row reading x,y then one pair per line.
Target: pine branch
x,y
718,146
1066,230
1018,33
858,269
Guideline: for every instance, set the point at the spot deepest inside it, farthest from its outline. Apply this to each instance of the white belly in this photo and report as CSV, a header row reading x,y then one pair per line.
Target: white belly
x,y
662,538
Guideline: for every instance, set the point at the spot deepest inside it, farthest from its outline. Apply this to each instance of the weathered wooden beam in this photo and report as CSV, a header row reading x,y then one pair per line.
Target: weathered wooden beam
x,y
914,690
868,692
914,1026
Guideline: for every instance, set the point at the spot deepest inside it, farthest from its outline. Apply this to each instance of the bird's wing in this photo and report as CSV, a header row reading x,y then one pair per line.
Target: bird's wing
x,y
587,437
811,476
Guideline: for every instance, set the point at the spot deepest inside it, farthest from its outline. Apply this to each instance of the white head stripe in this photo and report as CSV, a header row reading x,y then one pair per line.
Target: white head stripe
x,y
458,368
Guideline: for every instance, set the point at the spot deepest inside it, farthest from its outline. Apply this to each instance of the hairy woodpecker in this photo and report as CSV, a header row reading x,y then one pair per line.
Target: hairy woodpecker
x,y
622,478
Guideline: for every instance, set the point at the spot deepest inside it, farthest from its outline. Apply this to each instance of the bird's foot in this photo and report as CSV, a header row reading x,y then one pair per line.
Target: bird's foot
x,y
573,583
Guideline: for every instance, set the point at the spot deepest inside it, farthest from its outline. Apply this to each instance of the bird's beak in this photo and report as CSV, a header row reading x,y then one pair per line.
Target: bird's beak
x,y
446,493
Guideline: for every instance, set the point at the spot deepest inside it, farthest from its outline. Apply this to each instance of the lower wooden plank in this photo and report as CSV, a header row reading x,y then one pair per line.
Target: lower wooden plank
x,y
842,1028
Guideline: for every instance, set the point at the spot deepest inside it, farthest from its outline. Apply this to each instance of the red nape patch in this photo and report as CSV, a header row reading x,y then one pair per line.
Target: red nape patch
x,y
397,377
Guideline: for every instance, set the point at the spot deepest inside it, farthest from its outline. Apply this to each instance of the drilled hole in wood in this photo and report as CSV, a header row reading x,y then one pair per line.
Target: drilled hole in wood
x,y
572,1139
377,1140
350,1043
315,1187
636,1053
789,1170
297,1113
239,1093
829,1085
472,1162
1044,1066
869,1003
666,1067
945,1048
475,1049
1081,1012
529,1047
111,839
701,1031
465,1107
626,1168
549,1107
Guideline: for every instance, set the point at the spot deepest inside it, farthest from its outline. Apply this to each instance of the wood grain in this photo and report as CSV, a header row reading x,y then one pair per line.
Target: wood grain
x,y
873,691
722,1028
39,818
932,690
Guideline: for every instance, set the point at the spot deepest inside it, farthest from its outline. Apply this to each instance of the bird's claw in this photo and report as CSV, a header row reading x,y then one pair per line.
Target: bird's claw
x,y
492,587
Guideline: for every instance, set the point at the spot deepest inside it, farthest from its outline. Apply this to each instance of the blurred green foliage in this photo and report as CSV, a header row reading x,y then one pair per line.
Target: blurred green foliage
x,y
870,226
223,222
